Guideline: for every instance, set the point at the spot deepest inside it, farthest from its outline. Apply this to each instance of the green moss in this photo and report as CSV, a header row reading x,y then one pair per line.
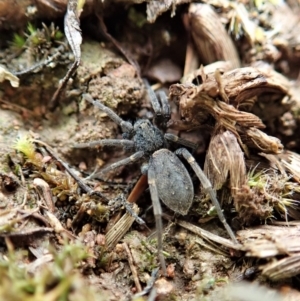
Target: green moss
x,y
18,41
25,145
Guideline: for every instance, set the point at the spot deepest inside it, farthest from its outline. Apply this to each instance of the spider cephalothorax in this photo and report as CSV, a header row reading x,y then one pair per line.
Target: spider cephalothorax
x,y
147,137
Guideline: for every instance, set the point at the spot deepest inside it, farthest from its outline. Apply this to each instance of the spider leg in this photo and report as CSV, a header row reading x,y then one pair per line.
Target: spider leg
x,y
160,106
133,158
73,174
165,106
126,144
157,213
153,99
125,125
184,142
121,201
207,187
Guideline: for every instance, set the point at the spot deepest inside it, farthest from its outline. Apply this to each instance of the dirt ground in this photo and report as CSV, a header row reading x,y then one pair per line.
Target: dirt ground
x,y
230,70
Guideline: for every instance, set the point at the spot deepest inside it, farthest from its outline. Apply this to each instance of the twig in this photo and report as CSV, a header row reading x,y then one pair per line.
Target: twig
x,y
42,64
45,193
117,45
206,234
80,182
149,286
57,226
132,267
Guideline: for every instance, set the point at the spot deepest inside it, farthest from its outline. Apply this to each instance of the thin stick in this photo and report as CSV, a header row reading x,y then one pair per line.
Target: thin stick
x,y
138,189
132,267
149,287
80,182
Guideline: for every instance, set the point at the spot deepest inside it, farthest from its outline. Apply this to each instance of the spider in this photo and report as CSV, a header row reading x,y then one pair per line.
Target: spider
x,y
168,178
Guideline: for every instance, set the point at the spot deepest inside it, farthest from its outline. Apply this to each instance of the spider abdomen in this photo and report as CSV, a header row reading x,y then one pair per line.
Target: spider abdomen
x,y
174,184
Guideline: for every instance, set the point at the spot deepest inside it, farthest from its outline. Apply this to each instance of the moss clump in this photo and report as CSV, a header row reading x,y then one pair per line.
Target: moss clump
x,y
25,145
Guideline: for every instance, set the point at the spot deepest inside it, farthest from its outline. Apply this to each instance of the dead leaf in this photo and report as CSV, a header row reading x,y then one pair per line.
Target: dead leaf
x,y
73,34
210,37
6,75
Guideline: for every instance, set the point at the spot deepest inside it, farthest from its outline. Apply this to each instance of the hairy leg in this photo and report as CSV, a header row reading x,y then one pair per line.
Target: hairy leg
x,y
207,187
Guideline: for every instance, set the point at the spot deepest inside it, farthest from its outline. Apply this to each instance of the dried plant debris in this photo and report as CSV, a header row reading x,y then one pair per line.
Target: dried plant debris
x,y
224,157
6,75
267,241
291,162
210,37
272,34
197,103
246,86
118,231
156,8
73,34
268,29
271,241
21,226
276,248
235,130
35,48
228,98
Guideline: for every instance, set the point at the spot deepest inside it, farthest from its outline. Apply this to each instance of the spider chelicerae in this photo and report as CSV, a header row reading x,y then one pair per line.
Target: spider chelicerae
x,y
168,178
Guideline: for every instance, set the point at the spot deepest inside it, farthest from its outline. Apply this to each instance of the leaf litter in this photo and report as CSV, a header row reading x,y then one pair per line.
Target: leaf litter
x,y
246,117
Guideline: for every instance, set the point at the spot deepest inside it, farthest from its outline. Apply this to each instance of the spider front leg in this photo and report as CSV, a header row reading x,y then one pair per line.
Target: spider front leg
x,y
126,144
160,106
165,106
207,187
125,125
174,138
157,213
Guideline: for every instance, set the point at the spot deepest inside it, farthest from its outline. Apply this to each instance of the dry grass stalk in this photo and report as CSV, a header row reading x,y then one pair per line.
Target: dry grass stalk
x,y
208,236
132,267
291,162
282,269
263,242
268,241
118,231
224,157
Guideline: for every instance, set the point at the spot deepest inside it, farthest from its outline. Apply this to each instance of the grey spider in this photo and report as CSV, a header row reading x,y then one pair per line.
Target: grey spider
x,y
168,178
